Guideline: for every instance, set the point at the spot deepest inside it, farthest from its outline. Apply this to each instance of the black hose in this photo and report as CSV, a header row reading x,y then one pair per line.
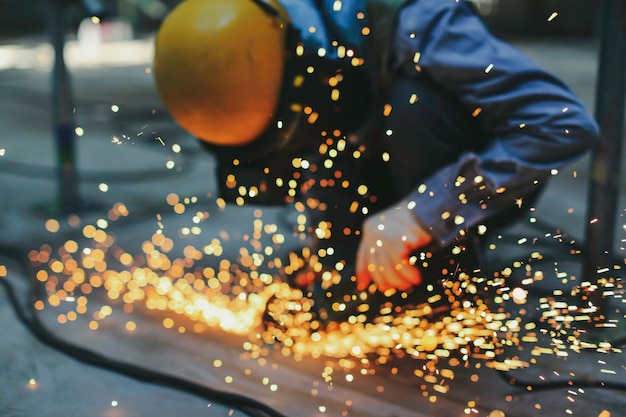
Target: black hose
x,y
533,386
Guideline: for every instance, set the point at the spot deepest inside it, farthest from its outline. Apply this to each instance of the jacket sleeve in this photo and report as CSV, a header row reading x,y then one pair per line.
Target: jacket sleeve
x,y
536,123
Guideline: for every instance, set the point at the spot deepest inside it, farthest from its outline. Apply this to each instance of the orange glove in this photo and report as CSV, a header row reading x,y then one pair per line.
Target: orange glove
x,y
387,240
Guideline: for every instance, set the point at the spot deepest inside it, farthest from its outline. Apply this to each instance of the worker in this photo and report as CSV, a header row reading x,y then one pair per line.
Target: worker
x,y
410,129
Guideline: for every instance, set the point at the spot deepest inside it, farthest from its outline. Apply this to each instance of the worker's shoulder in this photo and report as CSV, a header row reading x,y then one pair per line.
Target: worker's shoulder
x,y
435,7
423,15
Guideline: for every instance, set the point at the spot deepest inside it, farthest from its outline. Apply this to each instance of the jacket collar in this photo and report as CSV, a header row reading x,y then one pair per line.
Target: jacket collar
x,y
332,20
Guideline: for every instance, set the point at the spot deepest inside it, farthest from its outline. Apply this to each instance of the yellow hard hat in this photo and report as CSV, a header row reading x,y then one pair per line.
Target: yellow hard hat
x,y
219,67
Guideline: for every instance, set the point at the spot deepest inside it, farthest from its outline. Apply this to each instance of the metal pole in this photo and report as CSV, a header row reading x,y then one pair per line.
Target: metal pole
x,y
69,201
605,165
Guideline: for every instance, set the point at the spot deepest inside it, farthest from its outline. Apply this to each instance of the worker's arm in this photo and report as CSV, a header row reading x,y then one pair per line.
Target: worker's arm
x,y
536,123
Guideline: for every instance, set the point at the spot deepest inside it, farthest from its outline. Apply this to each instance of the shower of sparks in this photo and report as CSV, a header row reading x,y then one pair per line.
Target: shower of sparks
x,y
237,297
571,317
232,296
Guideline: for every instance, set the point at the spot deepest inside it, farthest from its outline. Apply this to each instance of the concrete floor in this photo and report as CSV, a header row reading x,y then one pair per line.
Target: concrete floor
x,y
37,380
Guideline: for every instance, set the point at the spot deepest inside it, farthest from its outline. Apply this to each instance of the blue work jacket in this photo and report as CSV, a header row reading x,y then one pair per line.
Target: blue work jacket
x,y
536,122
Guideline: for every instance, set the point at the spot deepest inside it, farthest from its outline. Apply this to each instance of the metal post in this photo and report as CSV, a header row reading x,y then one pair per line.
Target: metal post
x,y
605,165
69,201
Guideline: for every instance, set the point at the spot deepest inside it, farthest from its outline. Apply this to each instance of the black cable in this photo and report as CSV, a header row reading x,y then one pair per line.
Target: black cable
x,y
589,382
247,405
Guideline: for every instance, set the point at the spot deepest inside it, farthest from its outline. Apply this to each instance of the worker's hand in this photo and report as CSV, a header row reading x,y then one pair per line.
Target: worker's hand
x,y
387,240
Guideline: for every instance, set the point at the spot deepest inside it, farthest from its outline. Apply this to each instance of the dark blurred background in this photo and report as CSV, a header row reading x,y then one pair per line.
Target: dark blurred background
x,y
507,18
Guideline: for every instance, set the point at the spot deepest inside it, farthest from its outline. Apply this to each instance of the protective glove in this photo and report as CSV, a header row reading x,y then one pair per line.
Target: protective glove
x,y
388,239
